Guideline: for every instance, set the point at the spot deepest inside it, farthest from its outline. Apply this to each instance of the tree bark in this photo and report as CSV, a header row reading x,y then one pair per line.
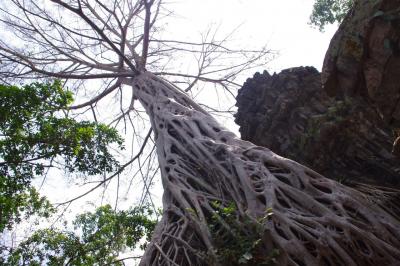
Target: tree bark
x,y
205,168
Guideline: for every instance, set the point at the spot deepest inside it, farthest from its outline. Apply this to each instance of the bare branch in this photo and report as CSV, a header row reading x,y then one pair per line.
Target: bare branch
x,y
98,97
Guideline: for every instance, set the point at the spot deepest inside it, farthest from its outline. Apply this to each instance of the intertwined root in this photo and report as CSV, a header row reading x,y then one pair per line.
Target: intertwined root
x,y
311,220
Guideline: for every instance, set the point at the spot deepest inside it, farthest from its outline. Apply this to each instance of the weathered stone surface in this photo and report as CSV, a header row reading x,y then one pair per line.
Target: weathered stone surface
x,y
341,138
363,59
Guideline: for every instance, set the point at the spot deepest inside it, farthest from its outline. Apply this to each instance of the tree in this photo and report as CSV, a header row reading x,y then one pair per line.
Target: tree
x,y
218,189
329,11
35,136
101,236
38,134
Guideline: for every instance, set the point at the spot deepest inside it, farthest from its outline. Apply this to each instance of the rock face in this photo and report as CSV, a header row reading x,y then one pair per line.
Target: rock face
x,y
342,138
363,59
352,135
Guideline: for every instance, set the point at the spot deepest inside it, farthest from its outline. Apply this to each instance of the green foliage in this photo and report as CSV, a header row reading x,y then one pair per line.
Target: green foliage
x,y
36,130
99,238
329,11
125,228
239,239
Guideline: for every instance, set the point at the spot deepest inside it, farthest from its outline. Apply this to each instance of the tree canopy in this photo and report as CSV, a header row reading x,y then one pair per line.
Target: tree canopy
x,y
98,239
36,135
329,11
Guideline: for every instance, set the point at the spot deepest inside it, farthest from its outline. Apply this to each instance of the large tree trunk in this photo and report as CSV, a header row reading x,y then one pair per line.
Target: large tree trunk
x,y
220,190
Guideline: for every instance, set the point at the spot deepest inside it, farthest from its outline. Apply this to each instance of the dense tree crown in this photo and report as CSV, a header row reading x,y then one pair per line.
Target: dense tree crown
x,y
37,135
99,238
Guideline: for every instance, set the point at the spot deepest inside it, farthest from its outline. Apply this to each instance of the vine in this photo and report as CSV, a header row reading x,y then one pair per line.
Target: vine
x,y
238,239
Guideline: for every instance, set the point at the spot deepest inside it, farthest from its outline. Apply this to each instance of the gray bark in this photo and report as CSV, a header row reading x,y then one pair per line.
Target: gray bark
x,y
314,220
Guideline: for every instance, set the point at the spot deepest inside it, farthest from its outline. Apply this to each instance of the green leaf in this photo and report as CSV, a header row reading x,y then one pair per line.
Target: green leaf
x,y
35,131
98,239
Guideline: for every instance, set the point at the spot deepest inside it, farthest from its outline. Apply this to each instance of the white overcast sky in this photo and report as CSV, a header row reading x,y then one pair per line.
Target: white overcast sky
x,y
282,24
